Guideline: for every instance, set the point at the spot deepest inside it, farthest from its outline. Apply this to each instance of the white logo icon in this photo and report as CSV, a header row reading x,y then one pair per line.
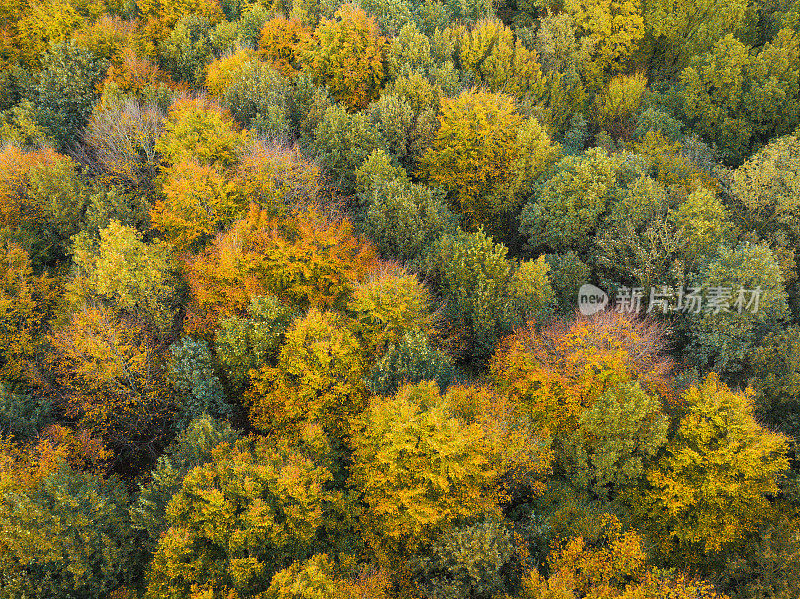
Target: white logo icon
x,y
591,299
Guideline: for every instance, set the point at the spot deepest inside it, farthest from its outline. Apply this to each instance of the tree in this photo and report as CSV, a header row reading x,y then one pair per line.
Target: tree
x,y
191,373
484,154
129,275
192,448
27,303
247,513
277,176
501,62
247,343
468,561
66,91
606,32
342,142
66,533
707,492
739,99
616,438
685,29
725,332
318,380
418,469
303,259
198,201
112,378
281,43
473,273
255,93
641,243
348,56
122,139
410,359
405,219
202,131
387,306
776,380
768,189
566,212
595,384
41,200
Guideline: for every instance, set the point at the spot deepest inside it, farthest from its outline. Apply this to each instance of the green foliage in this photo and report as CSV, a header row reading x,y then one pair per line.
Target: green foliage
x,y
188,48
566,212
191,372
739,99
410,359
641,243
249,512
257,96
243,344
776,380
405,219
67,535
686,29
768,188
474,273
23,415
616,439
66,91
569,272
469,561
725,339
342,141
191,449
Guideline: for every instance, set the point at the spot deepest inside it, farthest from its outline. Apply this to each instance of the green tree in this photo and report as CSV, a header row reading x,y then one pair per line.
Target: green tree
x,y
405,219
342,142
768,189
247,343
66,534
192,448
473,274
66,91
566,213
191,372
469,561
738,98
724,333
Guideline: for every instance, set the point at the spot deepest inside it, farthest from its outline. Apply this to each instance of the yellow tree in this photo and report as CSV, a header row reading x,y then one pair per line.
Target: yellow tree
x,y
347,55
607,33
708,491
485,153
